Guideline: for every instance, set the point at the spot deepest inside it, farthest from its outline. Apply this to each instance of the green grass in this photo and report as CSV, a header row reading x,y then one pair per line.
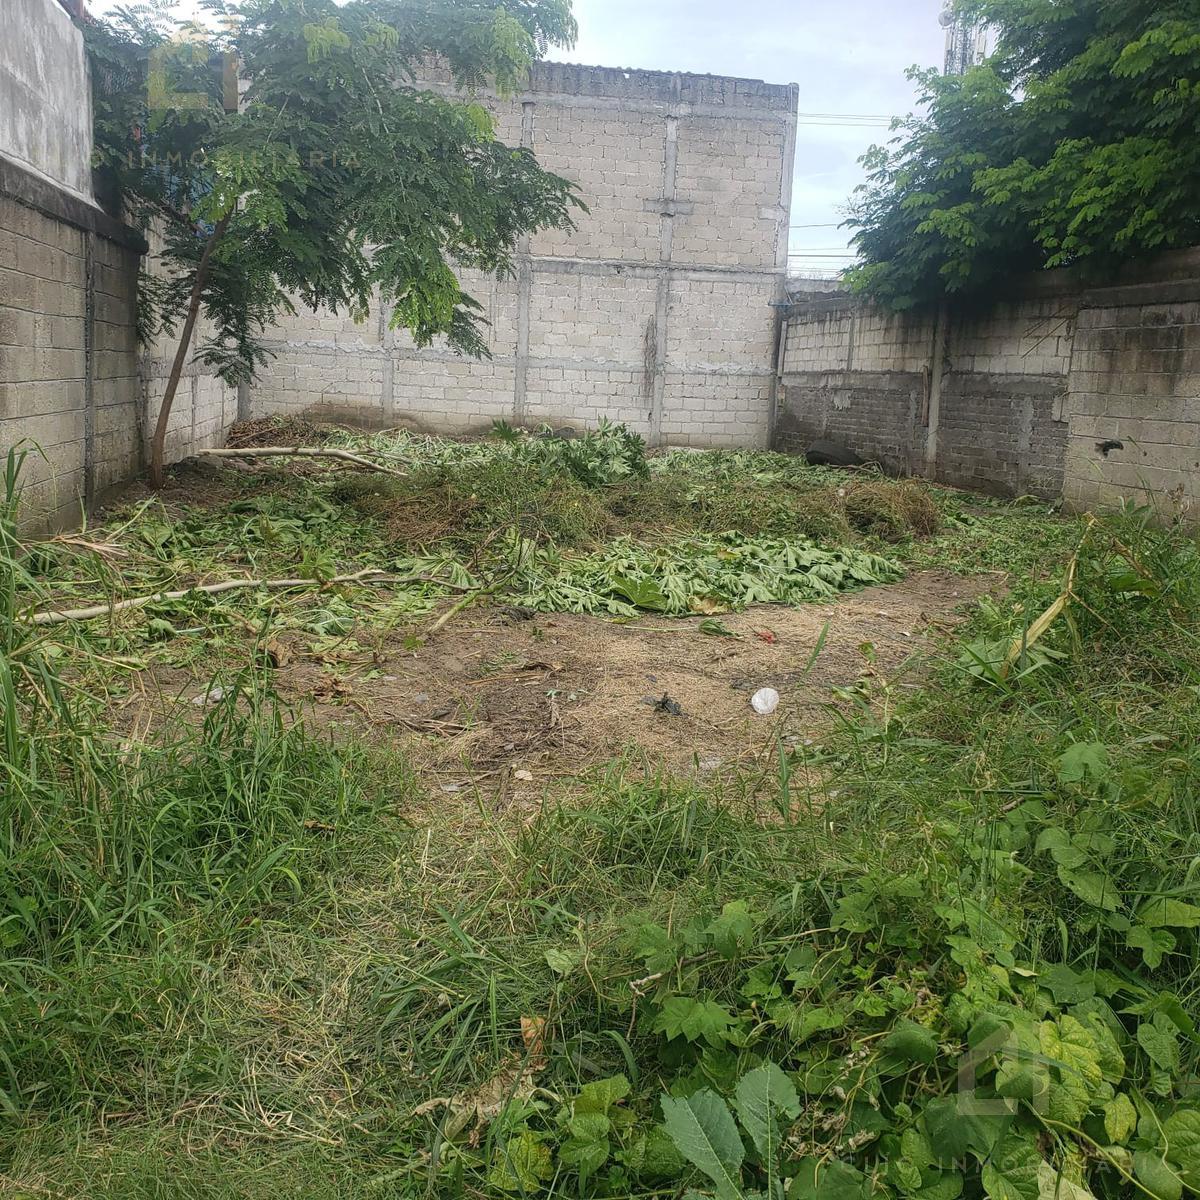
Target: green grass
x,y
238,960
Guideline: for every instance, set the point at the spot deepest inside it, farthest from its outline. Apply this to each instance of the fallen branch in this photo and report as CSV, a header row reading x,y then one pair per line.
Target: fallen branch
x,y
303,452
466,602
59,615
451,613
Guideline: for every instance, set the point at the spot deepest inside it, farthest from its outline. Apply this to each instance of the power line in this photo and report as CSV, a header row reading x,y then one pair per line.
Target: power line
x,y
849,121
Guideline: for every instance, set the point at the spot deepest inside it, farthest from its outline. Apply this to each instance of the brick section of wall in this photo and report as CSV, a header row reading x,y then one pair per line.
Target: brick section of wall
x,y
68,360
656,311
1001,424
877,414
1088,392
989,413
999,434
1135,408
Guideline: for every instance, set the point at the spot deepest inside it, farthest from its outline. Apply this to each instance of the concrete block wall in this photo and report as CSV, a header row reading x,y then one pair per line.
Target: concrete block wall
x,y
656,311
974,400
114,384
1135,408
1062,388
1001,419
45,100
69,387
42,369
72,385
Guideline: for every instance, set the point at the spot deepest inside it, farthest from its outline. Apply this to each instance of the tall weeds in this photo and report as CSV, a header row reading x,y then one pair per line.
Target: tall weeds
x,y
123,864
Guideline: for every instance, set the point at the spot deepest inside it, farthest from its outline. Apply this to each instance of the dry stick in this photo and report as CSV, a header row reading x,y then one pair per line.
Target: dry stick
x,y
451,613
302,452
58,616
466,603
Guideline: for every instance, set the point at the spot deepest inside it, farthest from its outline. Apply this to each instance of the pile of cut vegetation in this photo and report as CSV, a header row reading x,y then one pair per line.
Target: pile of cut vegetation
x,y
389,526
594,524
378,531
581,491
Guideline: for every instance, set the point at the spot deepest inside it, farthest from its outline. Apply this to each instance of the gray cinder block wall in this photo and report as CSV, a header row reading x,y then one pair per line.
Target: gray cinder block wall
x,y
74,386
69,385
45,105
1059,389
68,277
657,311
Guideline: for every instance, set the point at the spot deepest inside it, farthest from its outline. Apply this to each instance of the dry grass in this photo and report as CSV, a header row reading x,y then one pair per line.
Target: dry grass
x,y
278,431
891,509
461,503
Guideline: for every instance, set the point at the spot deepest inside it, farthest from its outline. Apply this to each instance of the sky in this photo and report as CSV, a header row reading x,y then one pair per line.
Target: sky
x,y
848,56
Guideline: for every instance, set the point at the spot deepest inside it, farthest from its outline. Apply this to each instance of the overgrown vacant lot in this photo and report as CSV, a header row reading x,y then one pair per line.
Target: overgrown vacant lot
x,y
476,874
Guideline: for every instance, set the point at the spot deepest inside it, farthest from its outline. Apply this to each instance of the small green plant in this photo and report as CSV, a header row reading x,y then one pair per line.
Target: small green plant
x,y
705,1133
601,457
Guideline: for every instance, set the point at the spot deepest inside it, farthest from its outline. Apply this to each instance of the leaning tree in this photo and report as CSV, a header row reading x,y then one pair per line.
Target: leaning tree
x,y
285,152
1076,143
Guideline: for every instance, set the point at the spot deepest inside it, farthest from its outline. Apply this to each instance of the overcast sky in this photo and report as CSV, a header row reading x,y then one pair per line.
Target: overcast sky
x,y
848,56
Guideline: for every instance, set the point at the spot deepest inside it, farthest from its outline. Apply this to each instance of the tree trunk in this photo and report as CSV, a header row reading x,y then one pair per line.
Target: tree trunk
x,y
185,341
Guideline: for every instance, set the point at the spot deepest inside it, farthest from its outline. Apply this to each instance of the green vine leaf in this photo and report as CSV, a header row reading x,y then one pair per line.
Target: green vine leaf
x,y
912,1043
764,1099
695,1020
1170,914
522,1163
1092,887
828,1180
704,1132
1160,1042
1120,1119
1182,1131
1012,1173
1151,1169
1053,1186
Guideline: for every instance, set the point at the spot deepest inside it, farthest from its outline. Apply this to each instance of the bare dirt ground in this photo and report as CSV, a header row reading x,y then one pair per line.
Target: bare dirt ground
x,y
509,701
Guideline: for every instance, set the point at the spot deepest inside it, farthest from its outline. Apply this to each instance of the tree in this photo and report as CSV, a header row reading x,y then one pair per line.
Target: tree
x,y
335,181
1076,143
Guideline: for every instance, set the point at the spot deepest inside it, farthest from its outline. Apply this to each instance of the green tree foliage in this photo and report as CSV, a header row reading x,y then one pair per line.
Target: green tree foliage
x,y
338,177
1075,143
